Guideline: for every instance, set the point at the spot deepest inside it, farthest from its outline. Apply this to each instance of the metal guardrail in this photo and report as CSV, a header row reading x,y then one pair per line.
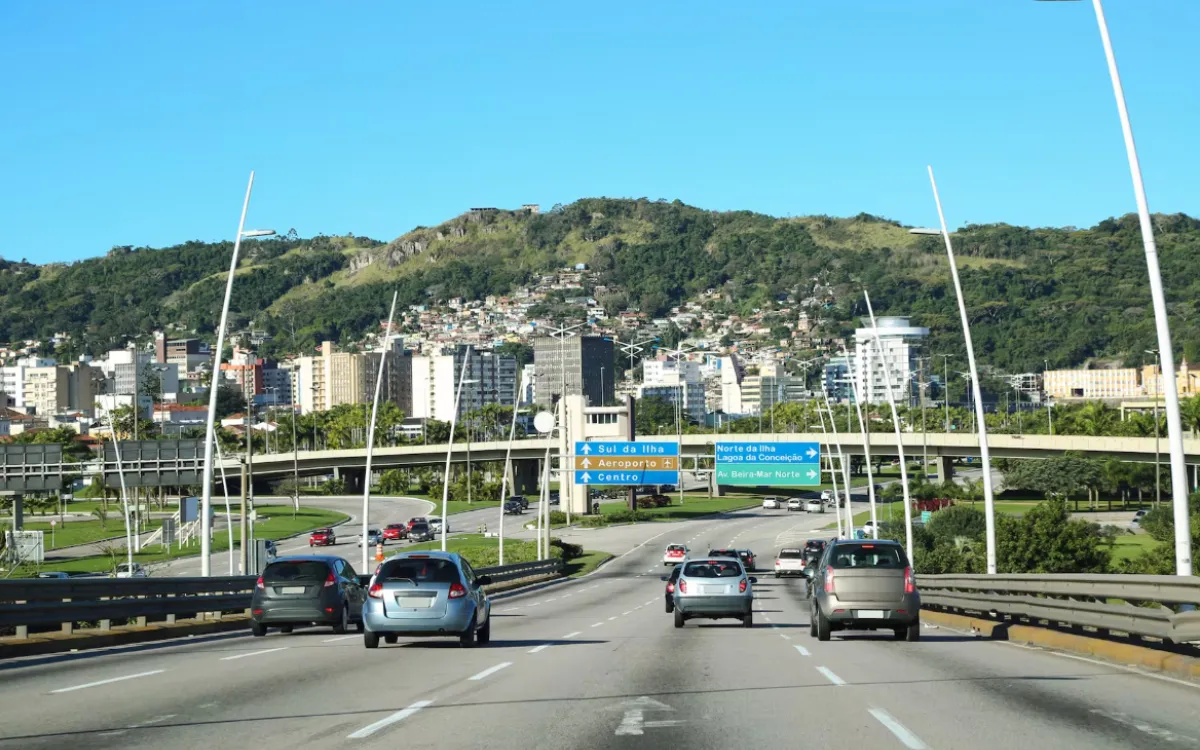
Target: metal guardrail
x,y
32,602
1159,607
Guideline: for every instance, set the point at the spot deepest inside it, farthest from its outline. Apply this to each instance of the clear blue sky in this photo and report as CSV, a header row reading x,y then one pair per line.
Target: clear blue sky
x,y
137,122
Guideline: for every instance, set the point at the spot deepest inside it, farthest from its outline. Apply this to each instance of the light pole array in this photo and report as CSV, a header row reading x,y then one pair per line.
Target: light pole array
x,y
366,505
214,386
450,444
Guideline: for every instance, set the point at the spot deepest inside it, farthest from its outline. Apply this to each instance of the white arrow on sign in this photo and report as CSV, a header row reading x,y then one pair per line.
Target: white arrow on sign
x,y
587,477
634,721
811,474
811,453
587,463
586,449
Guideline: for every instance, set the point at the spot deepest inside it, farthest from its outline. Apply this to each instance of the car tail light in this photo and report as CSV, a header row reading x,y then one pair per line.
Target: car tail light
x,y
259,584
670,588
376,591
457,591
682,586
909,584
778,563
742,586
330,580
258,611
829,581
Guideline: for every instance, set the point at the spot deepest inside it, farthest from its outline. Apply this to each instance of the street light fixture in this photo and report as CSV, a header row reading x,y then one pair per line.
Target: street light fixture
x,y
214,384
989,504
1179,485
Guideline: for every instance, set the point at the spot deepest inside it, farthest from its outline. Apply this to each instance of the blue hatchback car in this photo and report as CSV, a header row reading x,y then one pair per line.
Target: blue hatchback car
x,y
427,594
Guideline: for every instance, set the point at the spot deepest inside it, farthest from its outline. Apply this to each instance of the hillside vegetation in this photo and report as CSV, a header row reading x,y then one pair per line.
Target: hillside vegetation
x,y
1066,295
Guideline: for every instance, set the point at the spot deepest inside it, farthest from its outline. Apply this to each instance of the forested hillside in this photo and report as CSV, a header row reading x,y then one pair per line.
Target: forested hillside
x,y
1065,295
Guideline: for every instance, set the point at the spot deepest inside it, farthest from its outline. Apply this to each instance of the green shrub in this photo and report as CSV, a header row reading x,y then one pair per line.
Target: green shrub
x,y
557,516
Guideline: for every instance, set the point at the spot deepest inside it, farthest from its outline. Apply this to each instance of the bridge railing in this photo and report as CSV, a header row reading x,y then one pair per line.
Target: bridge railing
x,y
98,603
1142,606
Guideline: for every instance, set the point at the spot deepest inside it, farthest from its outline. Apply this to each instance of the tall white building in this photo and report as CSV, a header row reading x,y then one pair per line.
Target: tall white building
x,y
12,378
489,379
898,346
731,386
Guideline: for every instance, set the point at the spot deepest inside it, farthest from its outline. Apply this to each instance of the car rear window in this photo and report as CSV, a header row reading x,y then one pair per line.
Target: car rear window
x,y
712,569
868,556
323,531
676,548
304,570
790,553
722,553
420,570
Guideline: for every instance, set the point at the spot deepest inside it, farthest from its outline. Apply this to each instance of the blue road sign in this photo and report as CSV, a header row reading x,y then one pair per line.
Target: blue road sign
x,y
626,448
602,476
773,464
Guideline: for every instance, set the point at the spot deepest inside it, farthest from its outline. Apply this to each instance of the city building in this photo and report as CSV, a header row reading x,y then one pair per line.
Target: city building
x,y
12,378
246,370
894,345
580,365
47,389
1093,385
677,381
760,393
489,378
397,384
732,374
838,385
186,354
277,385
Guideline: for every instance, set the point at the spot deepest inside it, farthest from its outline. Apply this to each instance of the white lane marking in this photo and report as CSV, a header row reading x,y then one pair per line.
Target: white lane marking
x,y
1141,726
109,681
785,636
626,612
535,604
598,624
254,653
401,715
612,618
542,647
906,737
552,600
139,725
647,604
341,638
491,670
570,635
829,675
803,651
564,596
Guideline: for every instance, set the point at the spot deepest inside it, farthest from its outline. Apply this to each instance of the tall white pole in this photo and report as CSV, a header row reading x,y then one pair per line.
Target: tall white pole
x,y
849,531
124,491
462,375
512,434
1179,488
209,426
989,504
887,383
366,505
862,424
228,510
837,511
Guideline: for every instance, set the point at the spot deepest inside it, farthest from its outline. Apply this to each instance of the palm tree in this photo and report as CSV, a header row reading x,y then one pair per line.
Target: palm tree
x,y
1190,409
1095,418
101,515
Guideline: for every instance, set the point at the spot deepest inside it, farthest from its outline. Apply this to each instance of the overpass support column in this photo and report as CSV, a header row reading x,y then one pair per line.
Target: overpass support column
x,y
354,479
525,477
945,467
18,512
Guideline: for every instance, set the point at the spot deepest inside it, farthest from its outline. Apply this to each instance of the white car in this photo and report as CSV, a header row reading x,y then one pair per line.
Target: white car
x,y
827,496
868,527
795,504
435,525
771,503
814,506
137,571
675,554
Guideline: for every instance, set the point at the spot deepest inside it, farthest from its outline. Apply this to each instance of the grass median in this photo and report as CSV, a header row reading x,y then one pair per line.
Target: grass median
x,y
484,552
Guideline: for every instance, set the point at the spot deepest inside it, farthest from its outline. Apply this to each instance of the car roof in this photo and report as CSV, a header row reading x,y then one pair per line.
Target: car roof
x,y
426,554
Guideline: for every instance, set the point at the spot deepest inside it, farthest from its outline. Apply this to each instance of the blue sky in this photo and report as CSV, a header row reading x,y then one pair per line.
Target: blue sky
x,y
137,122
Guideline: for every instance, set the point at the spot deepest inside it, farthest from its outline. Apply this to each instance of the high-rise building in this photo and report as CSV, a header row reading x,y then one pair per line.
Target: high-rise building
x,y
490,378
732,374
760,393
578,365
12,378
397,384
329,380
676,381
837,381
47,389
896,350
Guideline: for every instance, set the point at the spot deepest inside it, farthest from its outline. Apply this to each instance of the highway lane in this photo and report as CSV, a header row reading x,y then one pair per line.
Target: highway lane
x,y
597,663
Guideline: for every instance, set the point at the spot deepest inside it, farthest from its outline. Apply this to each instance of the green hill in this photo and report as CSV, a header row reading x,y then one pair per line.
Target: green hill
x,y
1060,294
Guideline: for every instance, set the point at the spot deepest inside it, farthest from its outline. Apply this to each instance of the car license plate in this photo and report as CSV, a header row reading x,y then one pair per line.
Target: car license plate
x,y
870,614
712,589
292,590
415,602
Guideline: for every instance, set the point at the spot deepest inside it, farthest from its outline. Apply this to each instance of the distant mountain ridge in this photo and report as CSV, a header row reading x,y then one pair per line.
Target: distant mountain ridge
x,y
1065,295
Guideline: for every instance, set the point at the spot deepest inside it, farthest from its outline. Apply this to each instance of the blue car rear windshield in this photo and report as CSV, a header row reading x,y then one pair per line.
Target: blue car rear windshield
x,y
714,569
420,570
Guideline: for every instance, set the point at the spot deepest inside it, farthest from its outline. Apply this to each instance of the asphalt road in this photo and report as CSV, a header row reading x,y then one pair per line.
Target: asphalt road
x,y
596,663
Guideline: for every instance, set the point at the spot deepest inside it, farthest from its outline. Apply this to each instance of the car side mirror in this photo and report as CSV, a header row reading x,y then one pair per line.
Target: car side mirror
x,y
753,579
483,581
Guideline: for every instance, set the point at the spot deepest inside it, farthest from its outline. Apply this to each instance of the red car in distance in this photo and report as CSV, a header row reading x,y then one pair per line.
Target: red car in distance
x,y
322,538
396,531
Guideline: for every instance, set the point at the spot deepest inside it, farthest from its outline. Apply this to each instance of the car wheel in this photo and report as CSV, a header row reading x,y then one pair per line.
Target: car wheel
x,y
360,626
670,607
824,629
913,633
812,625
899,634
285,628
371,640
390,639
467,639
484,635
748,620
344,623
679,620
258,630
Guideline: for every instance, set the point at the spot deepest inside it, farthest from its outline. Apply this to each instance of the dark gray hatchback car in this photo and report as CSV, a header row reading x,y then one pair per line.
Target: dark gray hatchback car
x,y
864,584
316,590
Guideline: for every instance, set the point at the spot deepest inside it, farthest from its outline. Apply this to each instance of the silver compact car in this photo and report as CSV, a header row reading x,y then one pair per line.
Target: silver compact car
x,y
427,594
865,585
714,588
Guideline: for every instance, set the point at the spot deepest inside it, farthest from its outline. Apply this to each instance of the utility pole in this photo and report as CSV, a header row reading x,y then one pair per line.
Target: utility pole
x,y
245,522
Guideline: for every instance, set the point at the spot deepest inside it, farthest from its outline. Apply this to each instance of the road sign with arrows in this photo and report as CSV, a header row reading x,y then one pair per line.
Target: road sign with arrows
x,y
775,464
626,462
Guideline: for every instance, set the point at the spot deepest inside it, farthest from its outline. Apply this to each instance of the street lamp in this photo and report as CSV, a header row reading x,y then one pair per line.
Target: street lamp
x,y
209,426
1179,487
989,504
512,433
366,506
